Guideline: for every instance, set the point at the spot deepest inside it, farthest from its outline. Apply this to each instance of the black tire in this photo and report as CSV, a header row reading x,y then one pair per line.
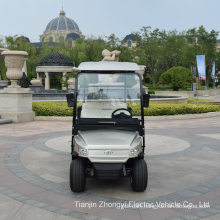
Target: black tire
x,y
77,175
139,176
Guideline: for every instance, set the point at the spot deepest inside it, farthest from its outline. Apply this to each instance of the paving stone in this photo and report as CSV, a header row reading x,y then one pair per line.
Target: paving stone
x,y
63,211
213,211
91,217
51,208
8,191
22,198
200,189
202,214
105,218
176,218
188,194
40,204
215,183
31,202
2,188
14,195
208,185
191,217
76,214
217,207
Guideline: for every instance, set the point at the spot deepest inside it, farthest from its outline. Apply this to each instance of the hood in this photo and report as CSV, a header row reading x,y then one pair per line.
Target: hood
x,y
108,138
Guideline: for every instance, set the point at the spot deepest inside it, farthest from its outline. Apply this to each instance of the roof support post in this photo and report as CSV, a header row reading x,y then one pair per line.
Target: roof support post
x,y
47,81
64,81
38,76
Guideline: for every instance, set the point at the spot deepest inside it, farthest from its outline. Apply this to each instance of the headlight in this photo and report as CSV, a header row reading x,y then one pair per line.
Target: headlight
x,y
83,152
134,152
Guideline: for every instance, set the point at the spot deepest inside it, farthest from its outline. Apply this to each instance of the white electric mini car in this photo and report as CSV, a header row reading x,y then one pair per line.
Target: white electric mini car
x,y
107,136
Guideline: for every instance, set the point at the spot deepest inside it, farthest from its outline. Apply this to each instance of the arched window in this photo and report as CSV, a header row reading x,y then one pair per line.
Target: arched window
x,y
129,43
51,39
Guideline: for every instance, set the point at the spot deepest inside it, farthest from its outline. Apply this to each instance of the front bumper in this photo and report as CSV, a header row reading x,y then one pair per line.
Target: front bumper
x,y
108,171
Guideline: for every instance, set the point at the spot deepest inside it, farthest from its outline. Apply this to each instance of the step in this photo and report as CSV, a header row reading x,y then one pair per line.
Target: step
x,y
5,121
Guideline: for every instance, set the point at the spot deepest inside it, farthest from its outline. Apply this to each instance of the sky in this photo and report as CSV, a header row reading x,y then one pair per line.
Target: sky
x,y
103,17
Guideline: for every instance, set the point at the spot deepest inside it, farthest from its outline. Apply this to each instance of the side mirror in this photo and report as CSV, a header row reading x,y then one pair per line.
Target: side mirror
x,y
70,99
146,100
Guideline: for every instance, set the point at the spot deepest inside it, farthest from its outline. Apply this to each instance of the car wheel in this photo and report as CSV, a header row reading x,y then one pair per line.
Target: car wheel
x,y
139,176
77,175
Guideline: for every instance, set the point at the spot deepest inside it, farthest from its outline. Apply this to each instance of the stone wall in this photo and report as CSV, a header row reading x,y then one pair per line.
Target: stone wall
x,y
188,94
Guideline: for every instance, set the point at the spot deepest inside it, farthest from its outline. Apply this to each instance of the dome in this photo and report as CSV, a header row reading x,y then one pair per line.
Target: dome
x,y
55,59
62,23
73,36
131,37
26,39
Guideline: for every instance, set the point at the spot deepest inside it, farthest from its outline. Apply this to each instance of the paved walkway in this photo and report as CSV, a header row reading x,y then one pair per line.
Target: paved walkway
x,y
215,97
183,158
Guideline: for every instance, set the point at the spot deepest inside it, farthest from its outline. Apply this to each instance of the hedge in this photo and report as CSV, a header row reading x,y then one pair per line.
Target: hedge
x,y
155,109
193,100
177,78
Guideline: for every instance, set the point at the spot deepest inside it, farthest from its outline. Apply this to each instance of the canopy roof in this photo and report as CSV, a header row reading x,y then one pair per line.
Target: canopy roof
x,y
108,66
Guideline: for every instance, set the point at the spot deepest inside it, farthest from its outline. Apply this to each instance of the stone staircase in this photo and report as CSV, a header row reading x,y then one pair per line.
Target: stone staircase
x,y
4,121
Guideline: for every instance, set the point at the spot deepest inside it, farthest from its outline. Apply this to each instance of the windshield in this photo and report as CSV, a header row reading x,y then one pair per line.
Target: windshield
x,y
100,94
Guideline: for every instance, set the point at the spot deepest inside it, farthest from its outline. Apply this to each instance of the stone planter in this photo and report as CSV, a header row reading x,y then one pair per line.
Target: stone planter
x,y
14,61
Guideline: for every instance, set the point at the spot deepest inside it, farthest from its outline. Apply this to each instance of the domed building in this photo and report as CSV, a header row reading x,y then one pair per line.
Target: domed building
x,y
61,29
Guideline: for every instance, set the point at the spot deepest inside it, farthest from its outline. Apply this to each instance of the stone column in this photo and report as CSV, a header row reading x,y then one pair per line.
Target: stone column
x,y
47,81
15,102
38,76
64,81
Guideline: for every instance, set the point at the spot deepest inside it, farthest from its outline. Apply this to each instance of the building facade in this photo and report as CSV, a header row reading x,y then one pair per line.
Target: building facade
x,y
61,29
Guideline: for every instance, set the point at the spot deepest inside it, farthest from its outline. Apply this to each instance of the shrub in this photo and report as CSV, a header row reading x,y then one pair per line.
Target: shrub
x,y
194,100
177,78
52,109
155,109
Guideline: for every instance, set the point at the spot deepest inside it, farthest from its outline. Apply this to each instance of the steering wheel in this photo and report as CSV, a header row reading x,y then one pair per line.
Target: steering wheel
x,y
121,115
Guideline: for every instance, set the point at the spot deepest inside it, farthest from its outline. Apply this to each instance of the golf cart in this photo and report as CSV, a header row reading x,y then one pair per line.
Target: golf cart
x,y
108,139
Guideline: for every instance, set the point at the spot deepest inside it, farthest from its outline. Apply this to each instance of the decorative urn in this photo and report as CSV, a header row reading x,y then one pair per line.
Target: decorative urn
x,y
14,61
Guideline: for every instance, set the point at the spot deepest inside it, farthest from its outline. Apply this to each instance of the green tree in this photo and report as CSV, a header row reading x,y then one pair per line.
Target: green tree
x,y
148,50
204,42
